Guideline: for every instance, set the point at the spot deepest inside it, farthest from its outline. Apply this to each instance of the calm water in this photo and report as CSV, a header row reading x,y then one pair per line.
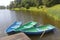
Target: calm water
x,y
7,17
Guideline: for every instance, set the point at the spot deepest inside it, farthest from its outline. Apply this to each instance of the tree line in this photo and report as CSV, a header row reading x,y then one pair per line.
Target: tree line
x,y
32,3
2,7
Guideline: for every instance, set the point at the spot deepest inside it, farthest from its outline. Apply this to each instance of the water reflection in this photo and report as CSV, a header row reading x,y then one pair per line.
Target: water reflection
x,y
6,19
24,17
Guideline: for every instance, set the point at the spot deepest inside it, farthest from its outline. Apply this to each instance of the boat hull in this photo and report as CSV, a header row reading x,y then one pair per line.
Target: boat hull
x,y
11,28
39,33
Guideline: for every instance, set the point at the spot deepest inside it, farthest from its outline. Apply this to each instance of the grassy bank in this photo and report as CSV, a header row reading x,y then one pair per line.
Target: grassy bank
x,y
34,9
54,12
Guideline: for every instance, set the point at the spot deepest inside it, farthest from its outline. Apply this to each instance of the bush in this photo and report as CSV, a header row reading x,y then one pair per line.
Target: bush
x,y
27,6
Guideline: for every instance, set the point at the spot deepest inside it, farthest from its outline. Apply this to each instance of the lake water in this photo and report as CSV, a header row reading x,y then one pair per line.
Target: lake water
x,y
7,17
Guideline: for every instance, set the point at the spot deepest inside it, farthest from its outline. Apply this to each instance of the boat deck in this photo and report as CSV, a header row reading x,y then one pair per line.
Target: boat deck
x,y
19,36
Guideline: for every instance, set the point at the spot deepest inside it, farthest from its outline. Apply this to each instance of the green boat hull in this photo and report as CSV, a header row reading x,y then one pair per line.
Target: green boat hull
x,y
38,30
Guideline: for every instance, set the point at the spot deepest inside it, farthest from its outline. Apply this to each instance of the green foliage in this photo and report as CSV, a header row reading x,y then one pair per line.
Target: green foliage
x,y
25,3
33,3
27,6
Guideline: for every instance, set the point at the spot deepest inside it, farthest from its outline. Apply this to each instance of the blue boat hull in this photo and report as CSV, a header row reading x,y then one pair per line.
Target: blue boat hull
x,y
40,32
11,28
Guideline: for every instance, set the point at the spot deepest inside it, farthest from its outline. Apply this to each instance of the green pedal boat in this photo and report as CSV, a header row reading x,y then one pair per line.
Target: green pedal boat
x,y
27,26
36,30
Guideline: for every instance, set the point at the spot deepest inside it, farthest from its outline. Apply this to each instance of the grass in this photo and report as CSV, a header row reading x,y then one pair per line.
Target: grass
x,y
18,9
54,12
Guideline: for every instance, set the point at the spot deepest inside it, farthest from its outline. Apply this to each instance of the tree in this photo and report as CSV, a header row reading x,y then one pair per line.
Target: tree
x,y
32,3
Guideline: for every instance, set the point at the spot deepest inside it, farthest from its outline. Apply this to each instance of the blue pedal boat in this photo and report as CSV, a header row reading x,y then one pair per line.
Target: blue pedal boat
x,y
18,25
14,26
